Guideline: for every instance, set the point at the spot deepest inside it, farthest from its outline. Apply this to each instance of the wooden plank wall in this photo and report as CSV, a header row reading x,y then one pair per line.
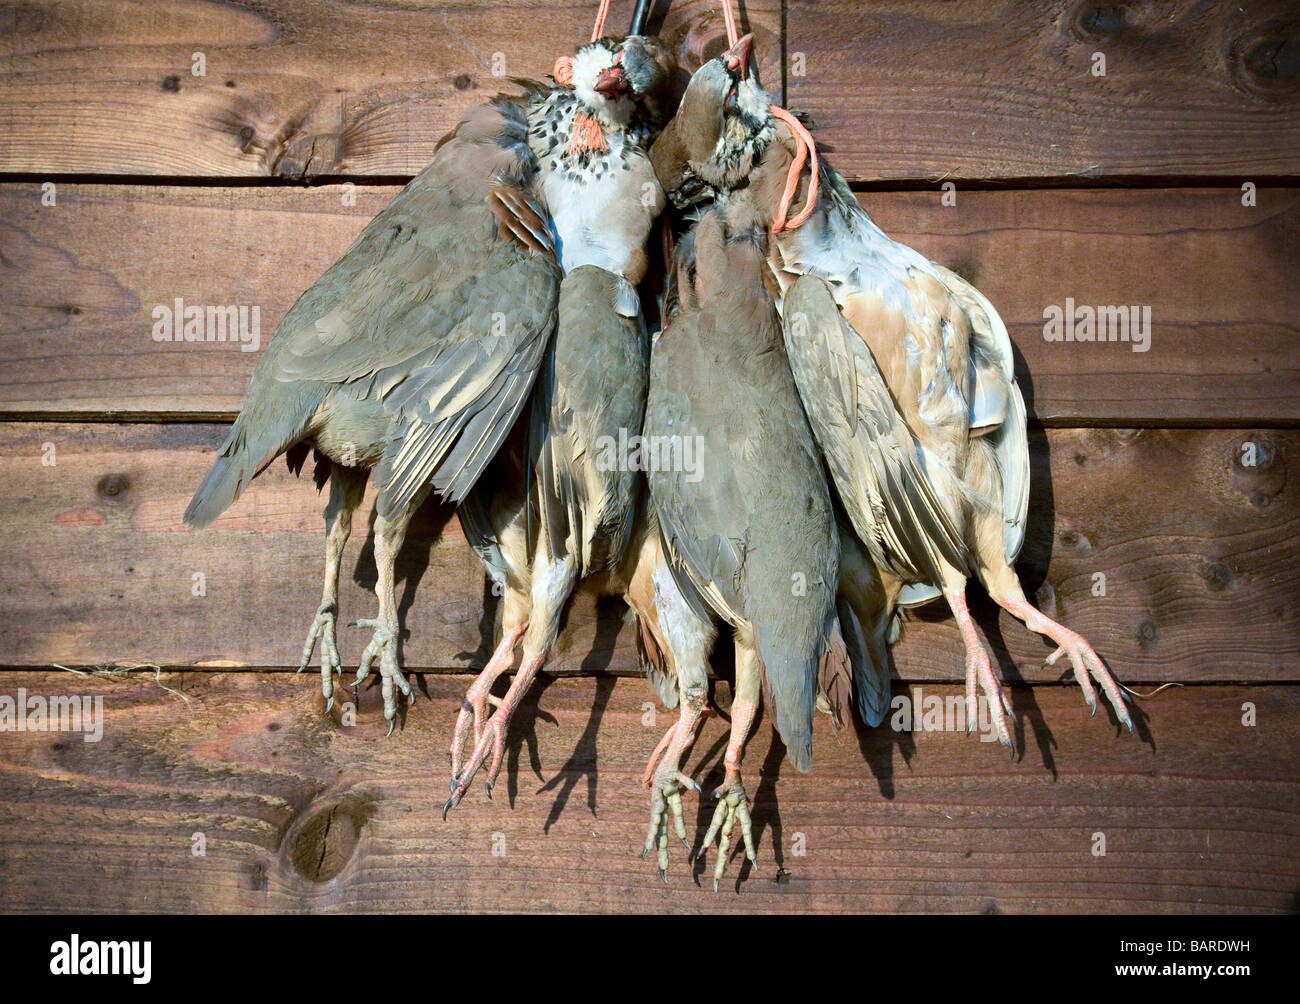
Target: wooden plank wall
x,y
1165,472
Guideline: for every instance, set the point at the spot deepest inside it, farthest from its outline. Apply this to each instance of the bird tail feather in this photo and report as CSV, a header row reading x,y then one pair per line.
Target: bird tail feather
x,y
237,463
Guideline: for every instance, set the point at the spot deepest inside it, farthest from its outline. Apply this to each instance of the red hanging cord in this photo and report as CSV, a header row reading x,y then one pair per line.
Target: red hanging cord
x,y
601,14
730,18
805,152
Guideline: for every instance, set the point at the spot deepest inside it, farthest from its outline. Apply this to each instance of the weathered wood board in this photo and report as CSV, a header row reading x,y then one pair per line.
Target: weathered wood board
x,y
984,89
295,88
1196,554
296,812
85,276
1161,525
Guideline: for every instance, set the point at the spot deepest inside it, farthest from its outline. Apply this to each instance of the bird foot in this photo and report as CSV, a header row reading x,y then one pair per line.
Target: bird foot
x,y
979,671
493,738
383,646
733,808
473,712
1086,662
665,804
323,630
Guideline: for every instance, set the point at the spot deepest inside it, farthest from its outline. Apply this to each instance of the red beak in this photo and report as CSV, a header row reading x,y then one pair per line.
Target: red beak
x,y
611,82
738,54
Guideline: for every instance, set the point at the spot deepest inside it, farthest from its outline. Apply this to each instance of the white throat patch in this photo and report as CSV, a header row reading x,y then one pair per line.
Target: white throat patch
x,y
587,64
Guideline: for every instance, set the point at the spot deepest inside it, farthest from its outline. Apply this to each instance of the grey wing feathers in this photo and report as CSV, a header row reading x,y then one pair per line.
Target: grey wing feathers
x,y
591,394
868,447
440,309
436,441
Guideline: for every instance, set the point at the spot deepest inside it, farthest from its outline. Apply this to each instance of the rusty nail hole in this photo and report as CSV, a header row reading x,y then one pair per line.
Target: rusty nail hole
x,y
172,83
463,82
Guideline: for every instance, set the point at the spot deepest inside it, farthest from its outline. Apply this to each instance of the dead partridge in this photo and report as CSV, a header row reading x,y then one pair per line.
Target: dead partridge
x,y
749,527
858,306
412,356
567,513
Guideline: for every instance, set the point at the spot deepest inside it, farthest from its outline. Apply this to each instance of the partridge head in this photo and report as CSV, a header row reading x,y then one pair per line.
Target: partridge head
x,y
722,127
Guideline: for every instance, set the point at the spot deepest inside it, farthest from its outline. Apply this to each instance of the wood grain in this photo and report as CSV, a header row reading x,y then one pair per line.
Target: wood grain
x,y
906,89
1198,554
295,88
299,813
84,276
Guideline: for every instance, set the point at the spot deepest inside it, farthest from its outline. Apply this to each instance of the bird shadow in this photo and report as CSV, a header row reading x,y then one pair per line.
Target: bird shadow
x,y
582,761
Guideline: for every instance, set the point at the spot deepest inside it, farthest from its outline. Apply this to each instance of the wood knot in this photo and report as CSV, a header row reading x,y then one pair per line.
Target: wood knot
x,y
1099,22
324,838
1258,468
113,485
1146,633
1076,541
1217,575
463,82
1264,61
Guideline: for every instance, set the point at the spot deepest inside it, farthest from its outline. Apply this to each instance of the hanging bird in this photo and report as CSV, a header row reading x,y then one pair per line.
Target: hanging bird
x,y
935,475
415,353
754,535
568,511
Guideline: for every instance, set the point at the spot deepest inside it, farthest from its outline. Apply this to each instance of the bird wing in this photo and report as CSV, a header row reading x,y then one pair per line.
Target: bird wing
x,y
590,395
441,308
869,449
698,565
997,407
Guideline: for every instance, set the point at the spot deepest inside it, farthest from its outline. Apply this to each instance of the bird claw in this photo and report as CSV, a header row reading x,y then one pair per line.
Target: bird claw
x,y
666,807
1087,666
494,738
323,630
979,674
733,807
473,710
383,646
